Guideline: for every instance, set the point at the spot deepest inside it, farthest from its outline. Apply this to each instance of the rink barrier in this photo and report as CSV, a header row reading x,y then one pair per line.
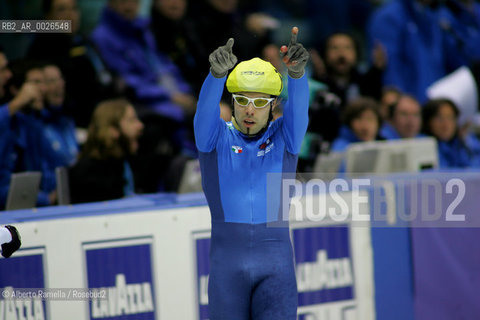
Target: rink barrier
x,y
150,253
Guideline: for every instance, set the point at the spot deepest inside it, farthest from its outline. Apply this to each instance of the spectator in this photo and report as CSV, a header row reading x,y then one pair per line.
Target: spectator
x,y
128,46
338,68
51,121
59,128
181,43
418,52
103,170
225,20
405,119
88,80
440,118
22,141
361,122
160,95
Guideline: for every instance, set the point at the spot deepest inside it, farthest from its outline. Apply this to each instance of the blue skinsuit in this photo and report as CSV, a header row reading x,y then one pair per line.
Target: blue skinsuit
x,y
252,271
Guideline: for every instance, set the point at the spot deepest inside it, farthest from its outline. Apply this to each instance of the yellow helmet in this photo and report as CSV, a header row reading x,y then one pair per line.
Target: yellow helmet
x,y
255,75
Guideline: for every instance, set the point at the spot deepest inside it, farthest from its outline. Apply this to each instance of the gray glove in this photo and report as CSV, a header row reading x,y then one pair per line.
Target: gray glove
x,y
295,56
222,60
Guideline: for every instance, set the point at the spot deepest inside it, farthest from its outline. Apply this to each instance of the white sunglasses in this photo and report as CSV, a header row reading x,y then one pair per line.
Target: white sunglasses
x,y
258,103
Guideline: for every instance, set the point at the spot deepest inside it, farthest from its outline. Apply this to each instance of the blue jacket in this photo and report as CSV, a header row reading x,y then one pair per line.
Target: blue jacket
x,y
463,29
345,137
23,147
234,167
459,153
417,49
129,49
59,130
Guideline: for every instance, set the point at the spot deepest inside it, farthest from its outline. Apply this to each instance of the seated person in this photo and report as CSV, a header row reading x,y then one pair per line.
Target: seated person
x,y
103,171
162,98
59,128
440,120
181,43
361,122
88,80
404,119
128,46
23,144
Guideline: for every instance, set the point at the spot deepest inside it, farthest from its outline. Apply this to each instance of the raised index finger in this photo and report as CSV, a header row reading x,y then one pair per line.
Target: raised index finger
x,y
293,39
229,44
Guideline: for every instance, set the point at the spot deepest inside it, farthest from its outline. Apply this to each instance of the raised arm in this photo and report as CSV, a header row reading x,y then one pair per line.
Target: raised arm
x,y
207,122
295,113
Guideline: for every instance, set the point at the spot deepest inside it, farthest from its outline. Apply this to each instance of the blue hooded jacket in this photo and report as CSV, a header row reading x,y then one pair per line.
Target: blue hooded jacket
x,y
129,49
417,49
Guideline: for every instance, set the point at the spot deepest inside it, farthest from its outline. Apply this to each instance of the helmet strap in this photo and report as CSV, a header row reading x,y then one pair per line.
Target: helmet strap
x,y
270,114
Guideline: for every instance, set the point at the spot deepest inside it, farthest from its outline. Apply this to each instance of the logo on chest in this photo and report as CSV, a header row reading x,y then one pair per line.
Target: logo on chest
x,y
237,149
265,148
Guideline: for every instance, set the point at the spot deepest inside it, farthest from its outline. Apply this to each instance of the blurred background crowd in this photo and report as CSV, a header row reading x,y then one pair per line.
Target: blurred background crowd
x,y
114,100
